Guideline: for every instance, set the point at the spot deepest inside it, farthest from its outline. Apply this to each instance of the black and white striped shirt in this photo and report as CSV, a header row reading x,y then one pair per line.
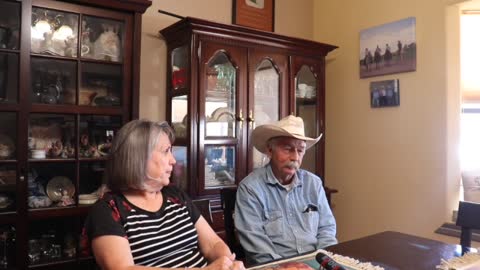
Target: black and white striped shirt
x,y
166,238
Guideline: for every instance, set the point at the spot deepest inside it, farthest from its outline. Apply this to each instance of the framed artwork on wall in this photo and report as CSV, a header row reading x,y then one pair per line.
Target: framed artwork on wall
x,y
258,14
388,48
384,93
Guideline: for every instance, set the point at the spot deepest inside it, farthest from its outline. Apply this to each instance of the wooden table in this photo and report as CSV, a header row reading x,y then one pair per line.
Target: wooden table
x,y
394,250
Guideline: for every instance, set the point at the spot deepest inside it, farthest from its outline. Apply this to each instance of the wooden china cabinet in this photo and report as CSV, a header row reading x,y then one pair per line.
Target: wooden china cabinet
x,y
69,79
223,81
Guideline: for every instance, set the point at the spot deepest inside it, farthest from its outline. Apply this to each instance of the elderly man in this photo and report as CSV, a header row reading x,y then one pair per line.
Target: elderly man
x,y
281,210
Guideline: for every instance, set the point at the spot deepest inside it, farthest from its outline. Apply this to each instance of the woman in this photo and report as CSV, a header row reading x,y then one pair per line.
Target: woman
x,y
142,222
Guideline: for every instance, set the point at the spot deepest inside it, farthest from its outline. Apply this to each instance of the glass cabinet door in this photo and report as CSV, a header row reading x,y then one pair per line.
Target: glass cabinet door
x,y
222,121
267,102
179,68
8,162
306,108
220,97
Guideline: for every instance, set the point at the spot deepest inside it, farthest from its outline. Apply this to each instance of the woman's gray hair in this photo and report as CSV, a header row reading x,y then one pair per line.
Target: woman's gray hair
x,y
131,149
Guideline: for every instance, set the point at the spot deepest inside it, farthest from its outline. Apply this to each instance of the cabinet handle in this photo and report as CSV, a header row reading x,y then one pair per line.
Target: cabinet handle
x,y
240,117
251,119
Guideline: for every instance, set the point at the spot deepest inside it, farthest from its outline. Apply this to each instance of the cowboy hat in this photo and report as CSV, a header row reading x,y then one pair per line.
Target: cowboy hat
x,y
290,126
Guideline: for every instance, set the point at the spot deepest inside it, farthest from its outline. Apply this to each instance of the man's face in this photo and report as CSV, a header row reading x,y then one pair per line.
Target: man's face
x,y
286,156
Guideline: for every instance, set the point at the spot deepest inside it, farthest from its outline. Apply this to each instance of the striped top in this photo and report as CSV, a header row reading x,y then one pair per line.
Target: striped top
x,y
166,238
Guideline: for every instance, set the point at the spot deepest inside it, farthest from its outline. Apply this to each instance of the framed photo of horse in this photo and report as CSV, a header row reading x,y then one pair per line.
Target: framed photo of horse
x,y
388,48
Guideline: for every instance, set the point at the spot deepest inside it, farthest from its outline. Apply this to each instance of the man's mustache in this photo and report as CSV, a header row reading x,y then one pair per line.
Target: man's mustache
x,y
293,165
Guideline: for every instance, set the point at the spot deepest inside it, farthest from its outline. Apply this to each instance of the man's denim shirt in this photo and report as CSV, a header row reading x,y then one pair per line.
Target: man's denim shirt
x,y
274,223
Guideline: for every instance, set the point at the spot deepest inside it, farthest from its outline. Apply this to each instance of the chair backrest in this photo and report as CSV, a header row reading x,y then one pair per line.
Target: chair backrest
x,y
468,219
203,205
228,197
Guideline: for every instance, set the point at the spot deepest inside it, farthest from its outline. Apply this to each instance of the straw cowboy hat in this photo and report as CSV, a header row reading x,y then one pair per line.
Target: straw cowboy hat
x,y
290,126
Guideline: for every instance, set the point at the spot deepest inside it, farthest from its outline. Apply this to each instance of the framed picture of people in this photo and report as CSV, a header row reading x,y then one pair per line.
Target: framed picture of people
x,y
388,48
384,93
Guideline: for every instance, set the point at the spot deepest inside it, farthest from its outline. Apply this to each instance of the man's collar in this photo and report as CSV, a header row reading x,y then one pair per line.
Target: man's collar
x,y
272,180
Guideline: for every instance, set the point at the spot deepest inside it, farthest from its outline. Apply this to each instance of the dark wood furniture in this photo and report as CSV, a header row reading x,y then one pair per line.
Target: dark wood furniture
x,y
69,79
203,205
394,250
468,219
223,80
228,197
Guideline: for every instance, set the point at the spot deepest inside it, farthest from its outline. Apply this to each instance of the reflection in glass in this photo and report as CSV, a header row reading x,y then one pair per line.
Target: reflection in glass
x,y
53,81
305,92
51,184
8,249
102,39
8,77
101,85
267,95
179,67
8,181
51,136
306,83
54,32
219,166
180,116
179,174
220,97
8,135
9,25
96,135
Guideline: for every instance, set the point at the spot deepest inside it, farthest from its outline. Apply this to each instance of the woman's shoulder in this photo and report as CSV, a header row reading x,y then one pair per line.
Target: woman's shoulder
x,y
174,194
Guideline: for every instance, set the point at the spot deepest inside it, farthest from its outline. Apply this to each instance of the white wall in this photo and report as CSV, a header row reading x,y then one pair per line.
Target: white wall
x,y
396,168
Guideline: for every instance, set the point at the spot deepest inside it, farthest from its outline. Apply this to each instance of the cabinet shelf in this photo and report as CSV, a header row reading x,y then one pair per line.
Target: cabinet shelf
x,y
51,263
75,109
51,212
8,217
53,160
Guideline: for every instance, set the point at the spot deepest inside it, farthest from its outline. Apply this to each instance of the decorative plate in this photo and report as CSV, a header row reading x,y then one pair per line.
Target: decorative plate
x,y
222,114
56,187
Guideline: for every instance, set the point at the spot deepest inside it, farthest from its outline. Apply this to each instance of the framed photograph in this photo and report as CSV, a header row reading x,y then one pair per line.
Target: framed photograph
x,y
384,94
388,48
258,14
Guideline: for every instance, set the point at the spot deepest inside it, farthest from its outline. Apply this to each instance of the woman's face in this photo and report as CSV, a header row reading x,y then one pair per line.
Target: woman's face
x,y
160,164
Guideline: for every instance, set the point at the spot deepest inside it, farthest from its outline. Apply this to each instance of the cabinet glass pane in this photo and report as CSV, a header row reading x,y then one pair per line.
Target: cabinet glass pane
x,y
220,97
8,180
96,135
102,39
54,32
53,240
8,135
101,85
180,116
179,175
51,184
267,96
179,67
9,25
305,93
53,81
91,173
51,136
219,166
8,78
8,236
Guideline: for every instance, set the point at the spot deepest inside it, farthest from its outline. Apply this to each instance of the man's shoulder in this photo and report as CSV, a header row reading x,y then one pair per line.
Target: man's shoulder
x,y
255,177
309,177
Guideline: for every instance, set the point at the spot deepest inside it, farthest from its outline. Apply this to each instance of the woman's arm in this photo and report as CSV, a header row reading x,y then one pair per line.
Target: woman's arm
x,y
211,245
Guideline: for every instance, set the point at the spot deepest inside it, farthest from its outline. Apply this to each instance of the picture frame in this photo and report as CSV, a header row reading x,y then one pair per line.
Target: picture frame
x,y
384,93
388,48
258,14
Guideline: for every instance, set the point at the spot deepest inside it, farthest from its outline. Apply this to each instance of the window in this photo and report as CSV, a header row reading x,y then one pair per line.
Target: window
x,y
470,86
